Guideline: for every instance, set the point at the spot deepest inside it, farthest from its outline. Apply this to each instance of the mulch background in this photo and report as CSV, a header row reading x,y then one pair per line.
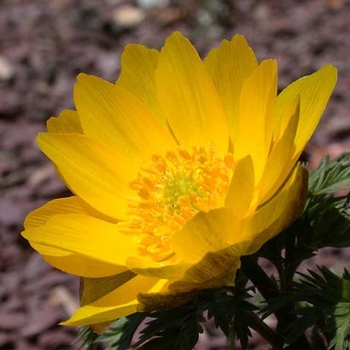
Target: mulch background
x,y
45,44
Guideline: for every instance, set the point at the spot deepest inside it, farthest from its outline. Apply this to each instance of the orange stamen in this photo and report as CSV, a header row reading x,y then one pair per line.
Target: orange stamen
x,y
171,190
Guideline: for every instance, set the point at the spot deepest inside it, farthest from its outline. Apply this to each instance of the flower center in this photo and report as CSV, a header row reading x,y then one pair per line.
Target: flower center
x,y
171,190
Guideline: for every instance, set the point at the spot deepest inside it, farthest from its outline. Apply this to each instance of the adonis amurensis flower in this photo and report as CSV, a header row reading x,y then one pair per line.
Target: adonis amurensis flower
x,y
178,169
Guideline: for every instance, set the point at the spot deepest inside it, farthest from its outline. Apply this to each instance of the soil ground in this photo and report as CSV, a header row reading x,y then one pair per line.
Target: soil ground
x,y
45,44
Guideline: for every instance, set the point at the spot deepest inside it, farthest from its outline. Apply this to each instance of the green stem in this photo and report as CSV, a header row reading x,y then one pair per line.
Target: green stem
x,y
231,339
260,279
286,274
256,323
269,291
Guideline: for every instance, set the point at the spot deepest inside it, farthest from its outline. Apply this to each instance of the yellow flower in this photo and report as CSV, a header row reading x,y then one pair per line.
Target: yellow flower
x,y
178,169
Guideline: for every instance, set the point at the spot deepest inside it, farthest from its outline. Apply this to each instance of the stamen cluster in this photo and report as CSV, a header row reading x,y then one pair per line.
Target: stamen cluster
x,y
172,189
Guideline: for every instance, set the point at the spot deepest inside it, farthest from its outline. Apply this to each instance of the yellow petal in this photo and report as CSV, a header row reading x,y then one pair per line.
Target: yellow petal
x,y
160,301
69,262
256,115
216,269
280,161
314,91
205,232
229,66
91,170
204,242
137,75
75,263
171,270
188,97
118,303
114,116
242,186
93,289
86,236
67,122
68,205
90,238
279,212
204,258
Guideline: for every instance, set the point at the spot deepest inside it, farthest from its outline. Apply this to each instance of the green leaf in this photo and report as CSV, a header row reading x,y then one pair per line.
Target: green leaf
x,y
230,312
326,218
327,298
173,329
179,328
222,310
330,176
341,316
87,337
332,227
119,334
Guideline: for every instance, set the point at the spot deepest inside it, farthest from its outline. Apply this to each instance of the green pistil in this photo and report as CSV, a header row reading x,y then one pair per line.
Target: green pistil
x,y
179,184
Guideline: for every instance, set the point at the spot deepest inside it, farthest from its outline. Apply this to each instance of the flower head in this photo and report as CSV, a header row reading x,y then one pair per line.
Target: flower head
x,y
178,169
